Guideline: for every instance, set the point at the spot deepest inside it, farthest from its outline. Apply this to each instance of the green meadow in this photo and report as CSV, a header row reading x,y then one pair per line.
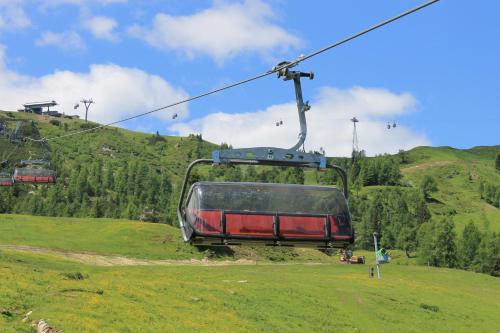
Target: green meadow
x,y
267,298
311,292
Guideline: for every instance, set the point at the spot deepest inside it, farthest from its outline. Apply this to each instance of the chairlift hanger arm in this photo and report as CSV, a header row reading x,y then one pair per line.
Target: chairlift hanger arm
x,y
301,106
279,156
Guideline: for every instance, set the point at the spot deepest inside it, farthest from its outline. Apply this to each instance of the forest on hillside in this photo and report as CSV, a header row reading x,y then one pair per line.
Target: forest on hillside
x,y
398,211
139,178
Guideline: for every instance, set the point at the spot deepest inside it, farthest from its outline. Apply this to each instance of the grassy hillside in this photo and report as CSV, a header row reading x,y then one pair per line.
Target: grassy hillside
x,y
118,173
276,298
130,239
109,144
458,174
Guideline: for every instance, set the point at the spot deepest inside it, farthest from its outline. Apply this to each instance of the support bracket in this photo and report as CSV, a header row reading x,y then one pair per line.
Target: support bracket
x,y
271,155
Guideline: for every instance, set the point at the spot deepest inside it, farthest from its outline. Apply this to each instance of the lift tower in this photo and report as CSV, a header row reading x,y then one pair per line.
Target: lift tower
x,y
87,103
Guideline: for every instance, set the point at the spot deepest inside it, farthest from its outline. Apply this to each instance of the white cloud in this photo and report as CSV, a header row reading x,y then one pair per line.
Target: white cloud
x,y
119,92
66,40
328,123
12,15
102,27
221,32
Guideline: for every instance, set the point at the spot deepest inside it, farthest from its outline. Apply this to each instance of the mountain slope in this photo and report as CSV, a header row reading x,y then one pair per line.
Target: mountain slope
x,y
458,174
120,154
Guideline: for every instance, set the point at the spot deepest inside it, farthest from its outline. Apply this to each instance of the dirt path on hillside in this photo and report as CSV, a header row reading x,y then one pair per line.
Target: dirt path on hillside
x,y
425,165
112,260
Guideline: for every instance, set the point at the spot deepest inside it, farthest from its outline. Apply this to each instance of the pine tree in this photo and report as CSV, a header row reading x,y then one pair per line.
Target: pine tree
x,y
82,185
368,175
403,156
95,179
250,174
292,176
497,163
370,223
233,174
107,179
425,243
418,207
468,245
406,239
428,185
488,255
437,243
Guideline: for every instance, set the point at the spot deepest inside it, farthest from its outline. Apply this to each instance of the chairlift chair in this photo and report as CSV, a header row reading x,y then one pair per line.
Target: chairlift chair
x,y
35,171
228,213
6,179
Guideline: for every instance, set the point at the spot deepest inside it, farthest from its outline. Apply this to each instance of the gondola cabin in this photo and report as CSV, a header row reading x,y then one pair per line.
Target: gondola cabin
x,y
6,180
32,175
219,213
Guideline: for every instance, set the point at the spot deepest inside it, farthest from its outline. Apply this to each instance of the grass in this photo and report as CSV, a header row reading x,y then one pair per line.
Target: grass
x,y
288,296
104,236
130,239
276,298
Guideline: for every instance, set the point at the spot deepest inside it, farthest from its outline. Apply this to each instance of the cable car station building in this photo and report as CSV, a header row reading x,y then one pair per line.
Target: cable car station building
x,y
37,108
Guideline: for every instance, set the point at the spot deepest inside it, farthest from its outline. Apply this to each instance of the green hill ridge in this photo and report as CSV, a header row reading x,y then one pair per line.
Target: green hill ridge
x,y
122,174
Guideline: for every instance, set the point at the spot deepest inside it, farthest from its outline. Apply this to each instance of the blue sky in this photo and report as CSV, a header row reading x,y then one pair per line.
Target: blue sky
x,y
435,73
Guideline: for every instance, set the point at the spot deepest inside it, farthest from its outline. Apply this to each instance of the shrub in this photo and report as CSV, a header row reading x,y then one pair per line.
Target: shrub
x,y
432,308
87,126
74,276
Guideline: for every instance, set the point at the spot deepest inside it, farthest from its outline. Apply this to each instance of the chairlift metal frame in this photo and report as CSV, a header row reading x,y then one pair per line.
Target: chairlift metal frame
x,y
267,156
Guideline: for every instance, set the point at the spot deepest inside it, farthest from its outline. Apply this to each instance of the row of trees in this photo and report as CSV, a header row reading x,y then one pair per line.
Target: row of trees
x,y
253,174
396,214
474,250
132,190
380,170
490,193
403,221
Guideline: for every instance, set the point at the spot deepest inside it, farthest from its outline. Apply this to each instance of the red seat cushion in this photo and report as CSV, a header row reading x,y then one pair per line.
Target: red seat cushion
x,y
302,226
207,221
249,225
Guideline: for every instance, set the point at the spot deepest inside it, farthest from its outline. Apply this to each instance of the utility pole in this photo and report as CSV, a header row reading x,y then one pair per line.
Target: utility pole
x,y
87,103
